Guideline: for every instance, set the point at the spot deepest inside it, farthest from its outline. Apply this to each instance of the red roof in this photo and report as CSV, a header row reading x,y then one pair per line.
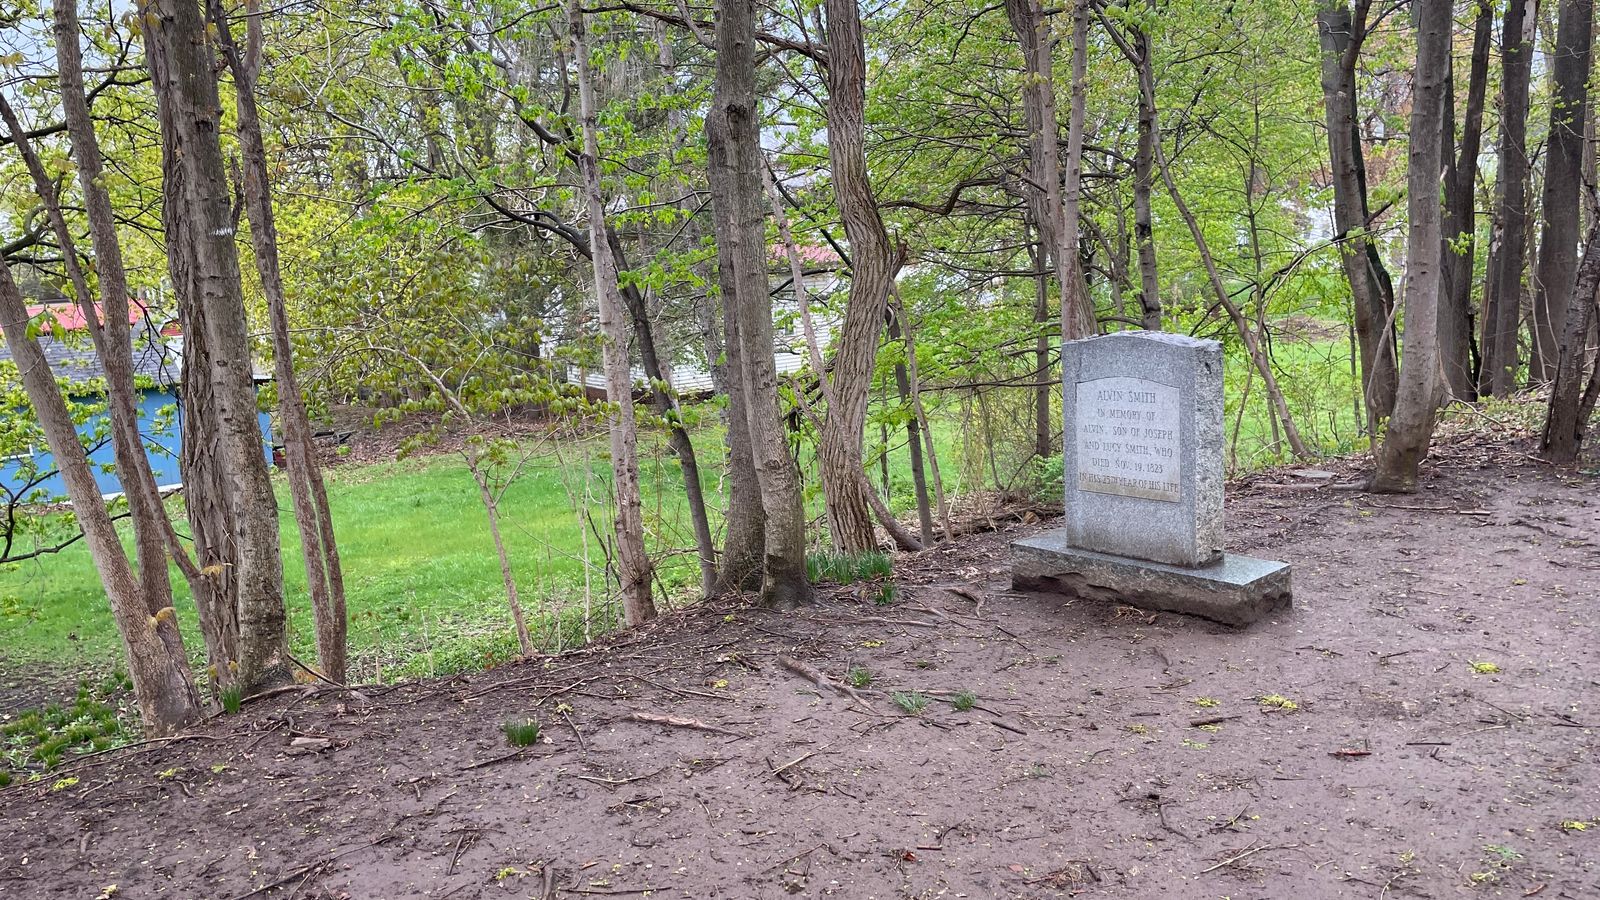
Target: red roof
x,y
70,316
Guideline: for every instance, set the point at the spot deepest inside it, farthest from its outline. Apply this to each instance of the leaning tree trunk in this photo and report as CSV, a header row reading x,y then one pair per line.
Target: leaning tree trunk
x,y
733,136
163,686
179,53
1566,419
1460,190
111,338
1043,184
1502,302
1563,186
633,564
307,492
844,484
1372,297
1405,443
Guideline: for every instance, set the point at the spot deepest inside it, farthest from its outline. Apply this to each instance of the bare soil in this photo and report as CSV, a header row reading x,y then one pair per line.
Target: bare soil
x,y
1401,770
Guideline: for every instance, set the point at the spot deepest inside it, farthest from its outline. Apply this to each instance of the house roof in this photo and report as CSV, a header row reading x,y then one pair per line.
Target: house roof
x,y
77,362
69,315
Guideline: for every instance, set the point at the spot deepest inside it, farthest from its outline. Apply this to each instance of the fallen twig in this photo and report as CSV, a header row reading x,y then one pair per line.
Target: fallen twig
x,y
1249,852
815,676
1212,720
681,722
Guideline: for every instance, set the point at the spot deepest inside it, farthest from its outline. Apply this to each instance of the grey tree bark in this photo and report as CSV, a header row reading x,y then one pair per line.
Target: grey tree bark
x,y
1342,34
1563,186
873,265
307,491
733,135
180,56
1502,302
1043,184
1456,338
1571,404
163,686
1410,430
633,564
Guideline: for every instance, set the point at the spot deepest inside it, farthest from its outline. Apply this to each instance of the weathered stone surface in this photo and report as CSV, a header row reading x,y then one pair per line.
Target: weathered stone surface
x,y
1235,590
1143,446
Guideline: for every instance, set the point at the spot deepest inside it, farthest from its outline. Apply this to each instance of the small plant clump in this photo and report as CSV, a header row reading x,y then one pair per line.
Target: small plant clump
x,y
858,677
1481,667
39,739
523,733
910,702
231,699
887,595
847,568
964,701
1206,702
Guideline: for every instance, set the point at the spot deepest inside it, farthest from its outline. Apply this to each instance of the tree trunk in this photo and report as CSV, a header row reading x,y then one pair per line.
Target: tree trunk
x,y
1502,303
180,58
1460,229
1043,181
744,544
733,135
1043,420
1405,443
1372,296
919,477
308,494
633,564
491,508
1563,186
872,273
1143,182
163,686
1566,421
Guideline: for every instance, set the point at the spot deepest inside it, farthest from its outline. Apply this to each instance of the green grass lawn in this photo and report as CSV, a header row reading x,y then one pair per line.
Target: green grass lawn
x,y
421,577
422,581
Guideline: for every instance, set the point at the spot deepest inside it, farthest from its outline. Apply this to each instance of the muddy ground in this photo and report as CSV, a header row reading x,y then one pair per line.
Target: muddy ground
x,y
1402,770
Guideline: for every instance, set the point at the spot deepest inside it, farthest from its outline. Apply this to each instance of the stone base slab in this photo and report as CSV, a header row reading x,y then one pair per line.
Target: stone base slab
x,y
1237,590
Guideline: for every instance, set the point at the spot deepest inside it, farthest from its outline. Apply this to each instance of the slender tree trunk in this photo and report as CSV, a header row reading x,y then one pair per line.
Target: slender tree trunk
x,y
1563,186
308,493
1143,182
491,508
1566,420
1252,341
180,58
744,545
111,338
872,273
1043,421
733,134
1405,444
1043,186
1460,229
1508,248
163,686
1372,296
919,477
633,564
915,385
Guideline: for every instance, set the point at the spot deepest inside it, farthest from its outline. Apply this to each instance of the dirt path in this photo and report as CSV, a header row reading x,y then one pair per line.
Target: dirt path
x,y
1401,771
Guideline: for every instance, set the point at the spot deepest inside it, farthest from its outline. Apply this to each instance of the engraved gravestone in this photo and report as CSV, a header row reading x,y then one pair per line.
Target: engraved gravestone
x,y
1142,467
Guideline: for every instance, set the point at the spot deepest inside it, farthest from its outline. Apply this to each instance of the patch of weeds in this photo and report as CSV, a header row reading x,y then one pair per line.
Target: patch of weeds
x,y
1484,667
964,701
1211,728
872,645
1037,770
1277,701
168,774
847,568
1138,729
524,733
1189,744
1576,825
910,702
231,699
887,595
62,784
858,677
36,740
1206,702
